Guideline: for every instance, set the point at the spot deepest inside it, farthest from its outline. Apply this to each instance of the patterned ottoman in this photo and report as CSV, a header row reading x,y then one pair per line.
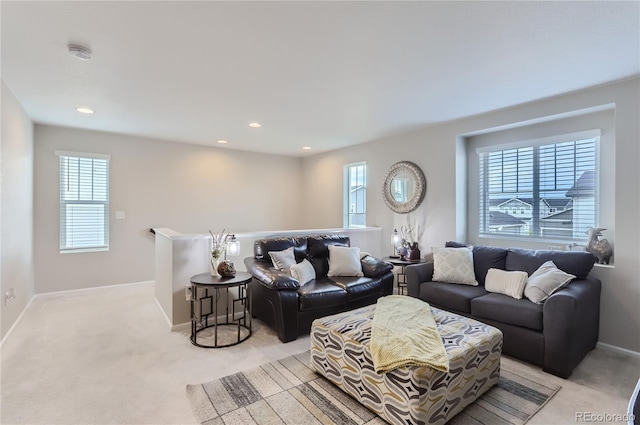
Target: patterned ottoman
x,y
415,395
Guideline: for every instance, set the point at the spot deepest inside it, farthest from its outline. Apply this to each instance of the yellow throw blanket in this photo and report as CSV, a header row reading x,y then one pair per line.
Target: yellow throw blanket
x,y
404,333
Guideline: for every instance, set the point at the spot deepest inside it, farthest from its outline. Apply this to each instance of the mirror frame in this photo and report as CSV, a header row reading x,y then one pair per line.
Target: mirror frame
x,y
421,186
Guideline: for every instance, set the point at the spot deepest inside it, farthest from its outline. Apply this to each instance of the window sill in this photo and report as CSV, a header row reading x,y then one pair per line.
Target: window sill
x,y
77,251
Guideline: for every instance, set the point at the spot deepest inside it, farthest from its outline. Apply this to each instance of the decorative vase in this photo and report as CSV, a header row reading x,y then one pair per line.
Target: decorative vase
x,y
226,269
402,251
214,266
415,252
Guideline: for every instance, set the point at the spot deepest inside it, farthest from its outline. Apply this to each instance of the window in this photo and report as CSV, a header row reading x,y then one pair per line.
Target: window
x,y
556,171
84,202
401,189
355,195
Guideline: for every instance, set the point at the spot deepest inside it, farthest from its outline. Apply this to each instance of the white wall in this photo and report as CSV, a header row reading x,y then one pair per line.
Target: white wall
x,y
16,209
188,188
438,150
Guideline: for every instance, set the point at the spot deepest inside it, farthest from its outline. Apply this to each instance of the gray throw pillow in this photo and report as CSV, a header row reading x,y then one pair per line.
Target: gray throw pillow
x,y
545,281
283,260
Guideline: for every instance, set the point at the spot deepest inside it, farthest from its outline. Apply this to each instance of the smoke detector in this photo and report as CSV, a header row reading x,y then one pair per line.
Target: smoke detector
x,y
80,52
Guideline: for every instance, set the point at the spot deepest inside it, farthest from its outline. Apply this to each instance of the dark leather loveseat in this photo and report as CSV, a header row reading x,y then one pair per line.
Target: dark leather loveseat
x,y
280,301
555,335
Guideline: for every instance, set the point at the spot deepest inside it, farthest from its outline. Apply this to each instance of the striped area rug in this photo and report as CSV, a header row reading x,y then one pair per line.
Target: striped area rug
x,y
287,391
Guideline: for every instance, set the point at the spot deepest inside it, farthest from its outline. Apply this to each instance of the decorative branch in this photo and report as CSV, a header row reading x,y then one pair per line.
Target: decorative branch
x,y
218,243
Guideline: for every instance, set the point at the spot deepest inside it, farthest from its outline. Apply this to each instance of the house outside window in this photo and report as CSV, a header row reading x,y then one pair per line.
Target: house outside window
x,y
84,202
355,195
554,181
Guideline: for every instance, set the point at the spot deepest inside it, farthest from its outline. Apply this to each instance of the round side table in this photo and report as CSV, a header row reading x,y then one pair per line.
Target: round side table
x,y
205,292
402,277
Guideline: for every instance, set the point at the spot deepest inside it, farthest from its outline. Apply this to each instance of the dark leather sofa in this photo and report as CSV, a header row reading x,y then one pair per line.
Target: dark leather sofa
x,y
278,299
555,335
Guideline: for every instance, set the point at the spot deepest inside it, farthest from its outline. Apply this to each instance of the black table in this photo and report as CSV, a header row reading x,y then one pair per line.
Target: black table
x,y
204,304
402,277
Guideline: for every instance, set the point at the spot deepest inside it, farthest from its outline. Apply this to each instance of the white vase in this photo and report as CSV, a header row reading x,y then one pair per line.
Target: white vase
x,y
214,267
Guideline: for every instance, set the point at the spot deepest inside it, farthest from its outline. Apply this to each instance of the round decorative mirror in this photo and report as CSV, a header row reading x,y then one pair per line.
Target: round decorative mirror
x,y
404,187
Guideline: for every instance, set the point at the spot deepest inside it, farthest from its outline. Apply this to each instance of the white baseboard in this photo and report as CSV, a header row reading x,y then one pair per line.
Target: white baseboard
x,y
181,327
618,350
164,314
85,290
26,307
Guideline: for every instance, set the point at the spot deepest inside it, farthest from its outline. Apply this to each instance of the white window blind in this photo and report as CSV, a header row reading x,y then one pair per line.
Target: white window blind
x,y
355,195
544,190
84,201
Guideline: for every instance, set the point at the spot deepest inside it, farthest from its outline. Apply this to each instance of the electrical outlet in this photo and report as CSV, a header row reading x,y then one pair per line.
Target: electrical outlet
x,y
187,293
9,296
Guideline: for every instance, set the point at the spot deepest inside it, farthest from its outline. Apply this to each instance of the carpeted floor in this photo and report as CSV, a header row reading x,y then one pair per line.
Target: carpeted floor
x,y
288,391
106,356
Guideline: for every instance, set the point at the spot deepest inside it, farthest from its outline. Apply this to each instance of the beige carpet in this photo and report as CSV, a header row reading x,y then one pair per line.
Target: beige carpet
x,y
288,391
106,356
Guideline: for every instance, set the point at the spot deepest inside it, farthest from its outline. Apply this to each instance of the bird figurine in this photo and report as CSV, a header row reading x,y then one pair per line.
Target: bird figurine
x,y
599,248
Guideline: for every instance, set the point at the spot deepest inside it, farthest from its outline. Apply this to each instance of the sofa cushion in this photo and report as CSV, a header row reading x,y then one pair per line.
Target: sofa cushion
x,y
318,251
505,309
321,293
358,287
453,265
576,263
450,297
484,258
261,247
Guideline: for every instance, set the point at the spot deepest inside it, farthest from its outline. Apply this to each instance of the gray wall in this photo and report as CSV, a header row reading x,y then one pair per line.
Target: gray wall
x,y
440,151
16,209
188,188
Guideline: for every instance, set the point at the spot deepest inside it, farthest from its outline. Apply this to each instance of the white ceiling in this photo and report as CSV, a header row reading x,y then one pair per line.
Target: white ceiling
x,y
320,74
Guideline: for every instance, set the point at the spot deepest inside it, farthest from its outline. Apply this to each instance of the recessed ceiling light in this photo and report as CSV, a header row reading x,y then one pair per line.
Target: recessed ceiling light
x,y
307,148
255,125
222,142
84,110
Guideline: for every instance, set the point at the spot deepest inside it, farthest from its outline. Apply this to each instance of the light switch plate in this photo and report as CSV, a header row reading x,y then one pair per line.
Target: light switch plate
x,y
120,215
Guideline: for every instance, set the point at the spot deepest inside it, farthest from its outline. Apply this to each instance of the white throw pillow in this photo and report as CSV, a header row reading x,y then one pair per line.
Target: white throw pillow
x,y
545,281
454,265
344,261
303,272
283,260
507,283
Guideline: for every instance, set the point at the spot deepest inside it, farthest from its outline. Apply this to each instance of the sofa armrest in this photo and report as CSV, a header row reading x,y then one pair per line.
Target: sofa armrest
x,y
269,276
571,320
417,274
374,267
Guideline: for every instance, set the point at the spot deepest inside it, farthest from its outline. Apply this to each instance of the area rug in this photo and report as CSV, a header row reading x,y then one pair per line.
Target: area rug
x,y
288,391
